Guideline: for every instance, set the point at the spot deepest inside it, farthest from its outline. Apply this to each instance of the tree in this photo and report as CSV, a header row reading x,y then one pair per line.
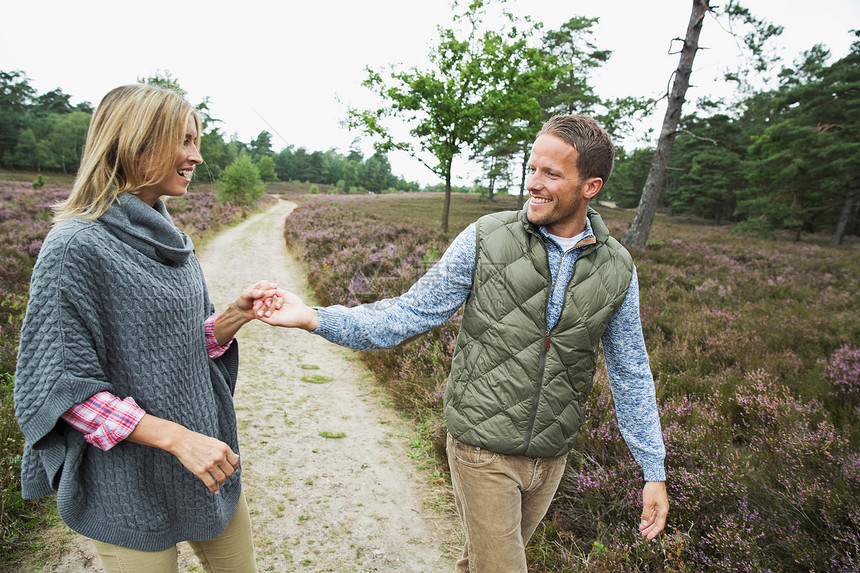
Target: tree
x,y
624,188
709,158
578,55
216,156
637,235
521,77
68,133
351,170
15,96
164,79
445,105
261,146
807,162
240,183
266,165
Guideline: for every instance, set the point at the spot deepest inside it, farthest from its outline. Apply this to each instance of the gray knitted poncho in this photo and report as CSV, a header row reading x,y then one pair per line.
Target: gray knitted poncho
x,y
118,304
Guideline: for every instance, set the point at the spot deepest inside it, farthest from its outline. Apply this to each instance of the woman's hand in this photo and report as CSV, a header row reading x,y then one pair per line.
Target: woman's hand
x,y
208,458
254,302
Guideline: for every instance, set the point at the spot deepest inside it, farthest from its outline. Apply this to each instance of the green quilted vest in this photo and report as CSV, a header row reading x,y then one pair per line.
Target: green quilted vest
x,y
515,388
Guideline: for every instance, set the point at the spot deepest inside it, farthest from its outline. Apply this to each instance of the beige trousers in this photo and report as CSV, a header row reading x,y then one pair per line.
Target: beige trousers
x,y
501,500
230,552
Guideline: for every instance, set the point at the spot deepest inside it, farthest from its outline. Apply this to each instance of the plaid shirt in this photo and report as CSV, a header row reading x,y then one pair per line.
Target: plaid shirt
x,y
106,420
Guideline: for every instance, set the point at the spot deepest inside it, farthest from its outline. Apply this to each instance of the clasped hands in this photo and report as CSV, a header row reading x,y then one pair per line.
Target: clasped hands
x,y
278,307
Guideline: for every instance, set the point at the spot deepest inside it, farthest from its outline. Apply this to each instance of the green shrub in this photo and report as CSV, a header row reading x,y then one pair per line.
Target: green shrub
x,y
759,228
240,183
266,165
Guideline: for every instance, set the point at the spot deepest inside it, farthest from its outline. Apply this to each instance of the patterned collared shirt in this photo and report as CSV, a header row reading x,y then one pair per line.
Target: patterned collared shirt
x,y
106,420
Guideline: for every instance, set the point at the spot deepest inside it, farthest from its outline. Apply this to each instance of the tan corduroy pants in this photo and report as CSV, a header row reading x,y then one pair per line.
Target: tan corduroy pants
x,y
230,552
501,500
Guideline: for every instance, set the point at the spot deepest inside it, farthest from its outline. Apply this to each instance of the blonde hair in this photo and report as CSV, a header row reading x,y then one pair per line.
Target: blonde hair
x,y
136,129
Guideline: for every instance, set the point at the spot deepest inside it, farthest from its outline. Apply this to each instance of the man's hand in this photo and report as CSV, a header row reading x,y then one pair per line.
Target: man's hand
x,y
655,508
290,312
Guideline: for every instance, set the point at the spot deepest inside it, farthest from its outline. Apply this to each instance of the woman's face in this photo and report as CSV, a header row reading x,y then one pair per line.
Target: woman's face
x,y
175,183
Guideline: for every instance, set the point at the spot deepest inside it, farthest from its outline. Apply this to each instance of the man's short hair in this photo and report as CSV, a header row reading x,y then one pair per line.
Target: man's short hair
x,y
595,152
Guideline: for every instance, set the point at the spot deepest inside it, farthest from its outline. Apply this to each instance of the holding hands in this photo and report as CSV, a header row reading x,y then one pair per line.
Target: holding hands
x,y
286,309
254,302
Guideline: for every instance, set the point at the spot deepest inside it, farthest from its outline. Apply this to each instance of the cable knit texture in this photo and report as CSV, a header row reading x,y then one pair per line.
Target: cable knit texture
x,y
118,304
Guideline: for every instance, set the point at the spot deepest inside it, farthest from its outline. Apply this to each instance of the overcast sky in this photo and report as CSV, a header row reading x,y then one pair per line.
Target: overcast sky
x,y
293,68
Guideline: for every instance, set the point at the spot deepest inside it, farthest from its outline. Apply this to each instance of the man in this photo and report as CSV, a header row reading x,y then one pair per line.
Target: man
x,y
542,288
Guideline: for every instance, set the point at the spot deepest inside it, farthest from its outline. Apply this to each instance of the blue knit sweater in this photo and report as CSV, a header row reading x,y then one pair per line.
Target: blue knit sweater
x,y
118,304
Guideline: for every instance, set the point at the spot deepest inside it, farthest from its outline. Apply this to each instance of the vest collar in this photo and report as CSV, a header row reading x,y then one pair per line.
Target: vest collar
x,y
598,227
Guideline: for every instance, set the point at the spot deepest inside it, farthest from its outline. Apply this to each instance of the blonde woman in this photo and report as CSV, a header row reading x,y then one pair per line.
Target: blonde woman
x,y
125,375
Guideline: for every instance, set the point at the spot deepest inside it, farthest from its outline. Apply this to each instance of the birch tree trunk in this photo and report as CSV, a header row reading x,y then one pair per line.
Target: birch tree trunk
x,y
637,235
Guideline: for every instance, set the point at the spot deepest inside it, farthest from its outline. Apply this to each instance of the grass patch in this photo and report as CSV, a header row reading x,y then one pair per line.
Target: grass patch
x,y
332,435
317,379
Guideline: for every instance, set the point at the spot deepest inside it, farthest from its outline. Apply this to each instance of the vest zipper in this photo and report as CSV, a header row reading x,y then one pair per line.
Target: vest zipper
x,y
542,363
536,397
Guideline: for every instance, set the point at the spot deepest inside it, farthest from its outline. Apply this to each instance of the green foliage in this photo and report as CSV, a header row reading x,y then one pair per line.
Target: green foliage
x,y
164,79
807,162
39,182
261,146
314,190
266,165
708,168
240,183
446,105
628,177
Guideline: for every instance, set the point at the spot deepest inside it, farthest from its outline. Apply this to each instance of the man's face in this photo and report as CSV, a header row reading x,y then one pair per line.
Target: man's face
x,y
558,197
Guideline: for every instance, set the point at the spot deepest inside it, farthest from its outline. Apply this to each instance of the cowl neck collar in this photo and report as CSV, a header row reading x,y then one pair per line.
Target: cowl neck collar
x,y
149,230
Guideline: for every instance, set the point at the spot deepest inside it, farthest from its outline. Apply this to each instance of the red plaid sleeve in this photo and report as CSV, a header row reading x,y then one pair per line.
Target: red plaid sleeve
x,y
104,419
212,347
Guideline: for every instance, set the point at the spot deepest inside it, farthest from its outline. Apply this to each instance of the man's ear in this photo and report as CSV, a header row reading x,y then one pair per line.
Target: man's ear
x,y
591,186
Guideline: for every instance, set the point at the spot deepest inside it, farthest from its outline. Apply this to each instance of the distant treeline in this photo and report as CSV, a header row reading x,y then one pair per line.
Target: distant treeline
x,y
45,133
783,159
787,158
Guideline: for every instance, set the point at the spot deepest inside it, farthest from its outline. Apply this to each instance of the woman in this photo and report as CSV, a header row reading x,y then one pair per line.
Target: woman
x,y
125,376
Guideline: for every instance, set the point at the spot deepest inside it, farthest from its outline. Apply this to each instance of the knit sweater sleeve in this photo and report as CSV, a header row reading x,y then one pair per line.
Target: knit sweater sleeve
x,y
632,386
429,302
58,355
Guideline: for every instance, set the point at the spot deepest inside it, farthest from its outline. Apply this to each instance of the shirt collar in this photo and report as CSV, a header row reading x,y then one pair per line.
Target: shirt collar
x,y
583,239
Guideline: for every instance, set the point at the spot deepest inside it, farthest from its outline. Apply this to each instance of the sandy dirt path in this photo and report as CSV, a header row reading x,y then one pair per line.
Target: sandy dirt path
x,y
331,480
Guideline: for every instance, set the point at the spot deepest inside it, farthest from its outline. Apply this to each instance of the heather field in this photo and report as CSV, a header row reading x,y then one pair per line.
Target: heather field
x,y
25,219
755,348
